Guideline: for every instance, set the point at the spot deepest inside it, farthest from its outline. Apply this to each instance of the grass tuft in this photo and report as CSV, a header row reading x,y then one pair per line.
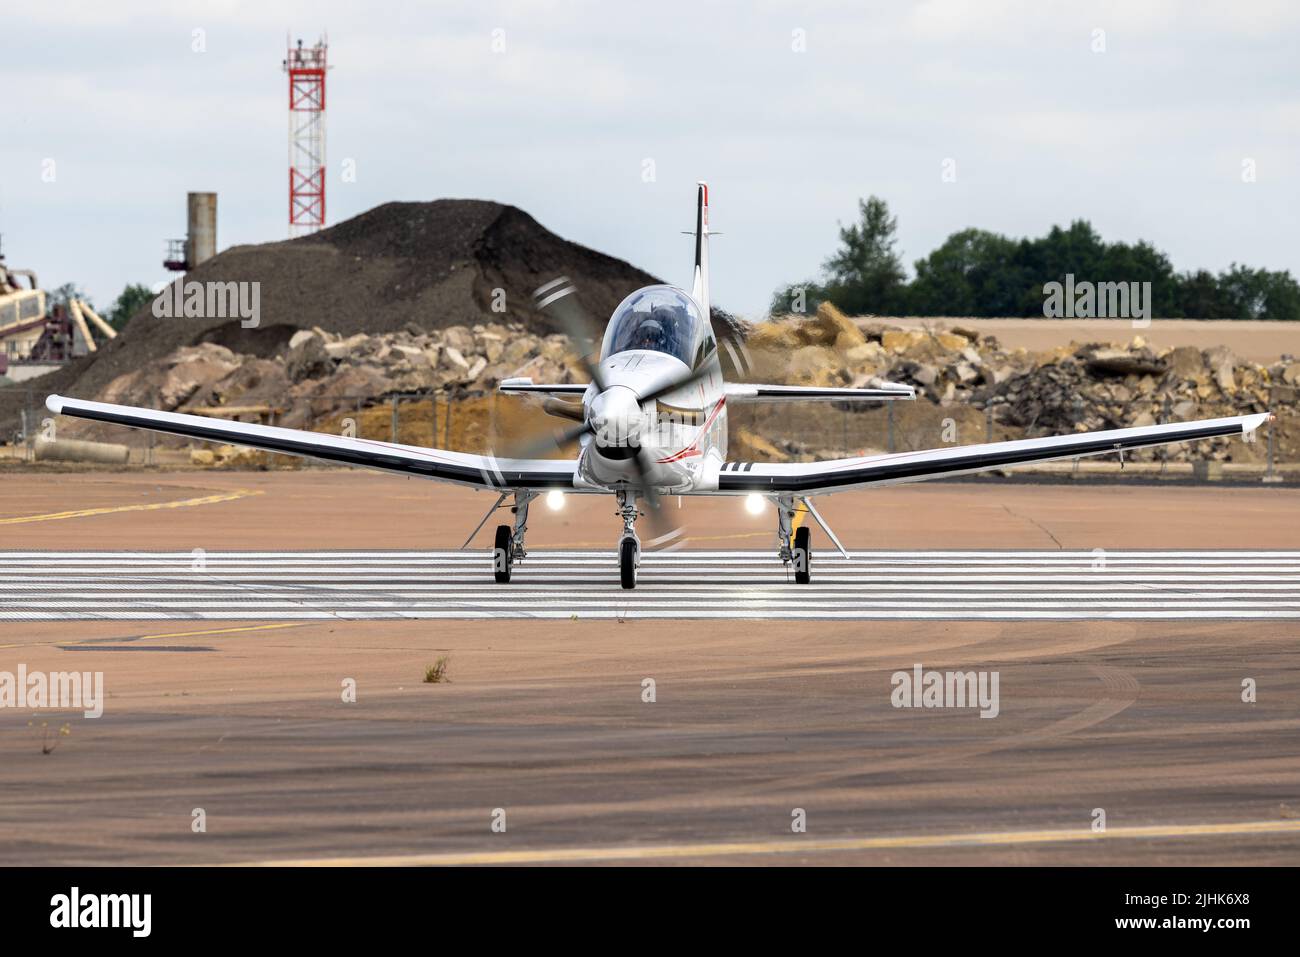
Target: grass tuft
x,y
436,673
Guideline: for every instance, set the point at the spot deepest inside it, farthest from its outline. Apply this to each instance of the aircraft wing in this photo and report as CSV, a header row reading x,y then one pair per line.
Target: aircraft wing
x,y
837,475
742,392
526,386
480,471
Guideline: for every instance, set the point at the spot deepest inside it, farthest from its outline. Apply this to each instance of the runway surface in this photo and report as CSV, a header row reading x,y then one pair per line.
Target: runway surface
x,y
244,716
560,584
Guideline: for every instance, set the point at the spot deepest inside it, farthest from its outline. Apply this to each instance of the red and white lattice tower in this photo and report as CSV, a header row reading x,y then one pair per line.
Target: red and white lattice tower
x,y
306,68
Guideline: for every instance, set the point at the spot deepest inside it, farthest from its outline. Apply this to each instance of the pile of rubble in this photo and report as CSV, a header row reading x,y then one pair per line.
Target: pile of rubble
x,y
320,373
1079,387
1074,388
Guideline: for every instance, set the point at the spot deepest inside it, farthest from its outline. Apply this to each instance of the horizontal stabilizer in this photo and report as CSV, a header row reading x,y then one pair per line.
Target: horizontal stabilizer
x,y
784,393
526,386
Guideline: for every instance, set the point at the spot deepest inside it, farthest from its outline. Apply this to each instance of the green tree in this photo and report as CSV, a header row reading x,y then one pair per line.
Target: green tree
x,y
974,273
1197,296
866,275
1258,294
797,298
979,273
133,298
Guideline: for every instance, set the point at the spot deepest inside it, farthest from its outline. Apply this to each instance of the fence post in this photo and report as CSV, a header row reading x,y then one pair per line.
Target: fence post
x,y
394,420
1271,477
29,419
446,428
889,408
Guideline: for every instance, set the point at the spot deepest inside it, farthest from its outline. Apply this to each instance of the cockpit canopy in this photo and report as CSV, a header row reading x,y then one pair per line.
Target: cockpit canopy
x,y
659,318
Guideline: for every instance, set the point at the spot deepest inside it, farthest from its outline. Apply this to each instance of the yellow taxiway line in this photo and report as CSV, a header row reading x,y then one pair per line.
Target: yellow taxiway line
x,y
109,509
171,634
791,845
223,631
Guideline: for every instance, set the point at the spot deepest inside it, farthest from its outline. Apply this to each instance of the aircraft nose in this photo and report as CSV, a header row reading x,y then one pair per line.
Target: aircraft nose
x,y
616,416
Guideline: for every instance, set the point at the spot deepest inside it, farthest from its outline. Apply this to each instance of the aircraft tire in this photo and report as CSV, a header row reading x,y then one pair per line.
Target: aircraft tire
x,y
503,554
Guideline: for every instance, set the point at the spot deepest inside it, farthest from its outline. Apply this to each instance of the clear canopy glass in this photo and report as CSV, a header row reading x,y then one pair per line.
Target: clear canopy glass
x,y
658,318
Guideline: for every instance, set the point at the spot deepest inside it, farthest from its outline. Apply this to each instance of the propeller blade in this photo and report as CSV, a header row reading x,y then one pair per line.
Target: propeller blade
x,y
547,443
558,299
687,380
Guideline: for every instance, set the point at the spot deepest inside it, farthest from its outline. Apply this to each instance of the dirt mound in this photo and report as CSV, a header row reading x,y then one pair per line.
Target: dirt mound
x,y
398,266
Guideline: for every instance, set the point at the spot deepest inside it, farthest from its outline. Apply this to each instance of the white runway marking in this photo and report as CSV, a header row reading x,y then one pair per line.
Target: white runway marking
x,y
915,585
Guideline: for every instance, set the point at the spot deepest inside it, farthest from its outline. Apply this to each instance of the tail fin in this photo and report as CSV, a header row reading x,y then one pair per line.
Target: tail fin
x,y
700,290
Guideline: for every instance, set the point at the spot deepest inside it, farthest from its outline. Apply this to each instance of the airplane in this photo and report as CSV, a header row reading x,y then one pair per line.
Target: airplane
x,y
652,422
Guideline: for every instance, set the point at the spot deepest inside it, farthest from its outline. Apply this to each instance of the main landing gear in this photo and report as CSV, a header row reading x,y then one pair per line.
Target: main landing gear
x,y
796,549
508,547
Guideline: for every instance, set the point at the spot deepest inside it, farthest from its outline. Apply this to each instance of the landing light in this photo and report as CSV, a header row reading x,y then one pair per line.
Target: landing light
x,y
555,500
755,503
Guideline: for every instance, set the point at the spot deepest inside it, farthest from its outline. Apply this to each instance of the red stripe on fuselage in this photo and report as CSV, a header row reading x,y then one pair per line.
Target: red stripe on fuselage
x,y
694,448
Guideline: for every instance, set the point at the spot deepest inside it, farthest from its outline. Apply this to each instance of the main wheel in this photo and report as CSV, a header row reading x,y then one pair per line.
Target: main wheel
x,y
802,555
627,562
503,554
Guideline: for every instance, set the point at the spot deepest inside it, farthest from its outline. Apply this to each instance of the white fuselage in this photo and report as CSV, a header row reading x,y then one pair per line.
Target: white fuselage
x,y
683,432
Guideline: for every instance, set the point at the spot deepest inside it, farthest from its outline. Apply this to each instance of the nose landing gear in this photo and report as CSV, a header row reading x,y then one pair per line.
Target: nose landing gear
x,y
629,546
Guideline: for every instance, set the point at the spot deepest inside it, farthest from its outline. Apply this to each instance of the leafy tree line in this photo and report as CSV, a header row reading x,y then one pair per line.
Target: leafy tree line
x,y
979,273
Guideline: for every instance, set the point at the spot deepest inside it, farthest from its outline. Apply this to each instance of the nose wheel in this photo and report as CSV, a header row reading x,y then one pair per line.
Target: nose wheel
x,y
629,556
629,546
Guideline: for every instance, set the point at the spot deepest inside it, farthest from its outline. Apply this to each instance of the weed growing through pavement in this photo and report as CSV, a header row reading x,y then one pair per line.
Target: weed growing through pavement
x,y
49,743
436,673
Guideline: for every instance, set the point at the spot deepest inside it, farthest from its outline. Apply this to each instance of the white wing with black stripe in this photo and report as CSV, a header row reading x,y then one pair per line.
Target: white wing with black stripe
x,y
526,386
838,475
461,468
743,392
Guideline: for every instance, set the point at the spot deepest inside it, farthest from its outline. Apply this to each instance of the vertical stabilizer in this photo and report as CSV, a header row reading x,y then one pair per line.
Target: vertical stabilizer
x,y
700,289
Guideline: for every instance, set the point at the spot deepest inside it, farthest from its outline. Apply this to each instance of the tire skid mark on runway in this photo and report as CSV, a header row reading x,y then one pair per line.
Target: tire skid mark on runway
x,y
1119,692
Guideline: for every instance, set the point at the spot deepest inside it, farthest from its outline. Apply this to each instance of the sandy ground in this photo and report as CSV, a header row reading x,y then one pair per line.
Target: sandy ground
x,y
1263,342
342,509
547,720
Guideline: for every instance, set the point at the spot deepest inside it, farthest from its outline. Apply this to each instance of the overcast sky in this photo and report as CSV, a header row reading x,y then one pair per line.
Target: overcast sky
x,y
791,111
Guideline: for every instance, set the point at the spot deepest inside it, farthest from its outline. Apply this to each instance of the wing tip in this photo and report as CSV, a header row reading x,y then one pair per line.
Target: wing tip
x,y
1252,423
54,403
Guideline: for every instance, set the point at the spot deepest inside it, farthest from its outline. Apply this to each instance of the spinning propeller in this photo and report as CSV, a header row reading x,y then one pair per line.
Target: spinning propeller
x,y
558,300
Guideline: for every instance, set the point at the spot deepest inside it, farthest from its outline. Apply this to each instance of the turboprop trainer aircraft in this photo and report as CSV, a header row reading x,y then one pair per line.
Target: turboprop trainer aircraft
x,y
651,422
